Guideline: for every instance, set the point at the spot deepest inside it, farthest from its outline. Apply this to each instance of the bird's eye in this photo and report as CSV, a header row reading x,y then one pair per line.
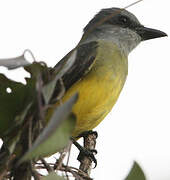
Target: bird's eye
x,y
124,20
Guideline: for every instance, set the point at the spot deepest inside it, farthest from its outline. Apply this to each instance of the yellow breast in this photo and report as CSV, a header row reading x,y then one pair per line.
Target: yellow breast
x,y
100,88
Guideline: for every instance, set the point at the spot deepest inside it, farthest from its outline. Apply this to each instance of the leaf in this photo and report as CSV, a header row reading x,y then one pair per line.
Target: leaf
x,y
15,104
11,103
136,173
48,89
56,134
20,118
16,62
13,142
53,176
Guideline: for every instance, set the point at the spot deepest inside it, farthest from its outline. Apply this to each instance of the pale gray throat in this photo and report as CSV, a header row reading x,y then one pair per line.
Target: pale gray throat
x,y
125,38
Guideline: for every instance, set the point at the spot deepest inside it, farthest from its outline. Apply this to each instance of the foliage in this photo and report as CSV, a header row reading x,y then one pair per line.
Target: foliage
x,y
136,173
24,129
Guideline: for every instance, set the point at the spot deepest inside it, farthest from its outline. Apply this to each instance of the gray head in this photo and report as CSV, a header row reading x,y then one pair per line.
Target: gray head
x,y
120,26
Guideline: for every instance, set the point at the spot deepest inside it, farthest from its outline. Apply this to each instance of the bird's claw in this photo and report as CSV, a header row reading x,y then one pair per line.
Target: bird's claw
x,y
88,153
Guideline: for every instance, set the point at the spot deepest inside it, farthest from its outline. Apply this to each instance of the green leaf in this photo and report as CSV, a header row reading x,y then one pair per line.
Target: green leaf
x,y
16,62
20,118
56,134
15,104
13,142
38,69
53,176
13,100
136,173
48,89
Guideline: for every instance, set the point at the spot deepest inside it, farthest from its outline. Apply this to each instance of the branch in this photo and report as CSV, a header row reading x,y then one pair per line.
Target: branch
x,y
89,144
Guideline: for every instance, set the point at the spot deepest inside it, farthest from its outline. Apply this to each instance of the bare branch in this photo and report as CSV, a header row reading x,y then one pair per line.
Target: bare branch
x,y
89,144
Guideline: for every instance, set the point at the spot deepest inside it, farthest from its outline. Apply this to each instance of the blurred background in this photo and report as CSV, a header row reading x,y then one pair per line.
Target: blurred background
x,y
138,127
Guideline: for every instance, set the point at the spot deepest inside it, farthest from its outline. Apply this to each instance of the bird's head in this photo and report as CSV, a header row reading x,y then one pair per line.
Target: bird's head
x,y
122,26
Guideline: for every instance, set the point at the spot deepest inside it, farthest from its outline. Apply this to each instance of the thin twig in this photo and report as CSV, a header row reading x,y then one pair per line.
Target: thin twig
x,y
77,173
4,172
132,4
39,85
46,165
63,153
68,158
36,175
30,133
60,160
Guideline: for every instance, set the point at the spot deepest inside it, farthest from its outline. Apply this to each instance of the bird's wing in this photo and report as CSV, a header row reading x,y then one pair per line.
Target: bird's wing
x,y
81,65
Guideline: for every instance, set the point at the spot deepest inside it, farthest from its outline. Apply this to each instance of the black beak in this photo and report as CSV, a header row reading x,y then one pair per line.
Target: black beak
x,y
148,33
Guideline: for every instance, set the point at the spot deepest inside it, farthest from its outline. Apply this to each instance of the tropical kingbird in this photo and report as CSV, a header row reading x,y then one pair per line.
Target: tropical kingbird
x,y
100,68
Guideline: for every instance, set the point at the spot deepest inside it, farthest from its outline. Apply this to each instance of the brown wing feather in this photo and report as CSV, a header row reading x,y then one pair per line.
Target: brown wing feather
x,y
85,58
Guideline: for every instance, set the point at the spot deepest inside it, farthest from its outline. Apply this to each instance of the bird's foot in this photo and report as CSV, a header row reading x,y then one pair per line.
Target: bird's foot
x,y
84,152
90,153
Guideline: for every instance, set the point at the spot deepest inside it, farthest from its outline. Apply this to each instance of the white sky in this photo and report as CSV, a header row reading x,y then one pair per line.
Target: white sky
x,y
138,128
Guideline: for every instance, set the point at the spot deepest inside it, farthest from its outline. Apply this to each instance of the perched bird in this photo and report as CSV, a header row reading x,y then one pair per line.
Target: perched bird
x,y
100,68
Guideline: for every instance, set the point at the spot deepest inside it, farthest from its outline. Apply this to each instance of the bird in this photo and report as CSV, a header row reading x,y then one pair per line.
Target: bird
x,y
100,66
